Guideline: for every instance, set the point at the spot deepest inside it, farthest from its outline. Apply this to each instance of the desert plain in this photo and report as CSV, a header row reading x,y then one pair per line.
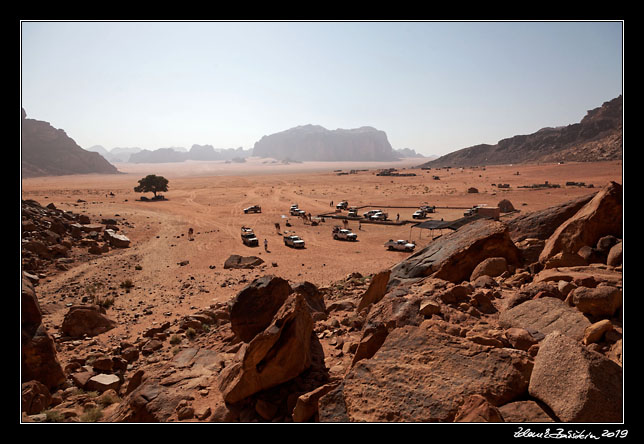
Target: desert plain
x,y
174,273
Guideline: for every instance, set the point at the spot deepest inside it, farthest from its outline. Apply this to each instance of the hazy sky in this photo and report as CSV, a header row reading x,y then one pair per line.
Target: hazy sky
x,y
431,86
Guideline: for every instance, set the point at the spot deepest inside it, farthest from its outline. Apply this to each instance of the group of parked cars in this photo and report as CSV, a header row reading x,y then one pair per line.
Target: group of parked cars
x,y
294,241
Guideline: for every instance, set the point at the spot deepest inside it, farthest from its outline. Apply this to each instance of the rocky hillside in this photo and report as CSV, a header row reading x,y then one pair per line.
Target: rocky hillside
x,y
482,325
315,143
47,151
597,137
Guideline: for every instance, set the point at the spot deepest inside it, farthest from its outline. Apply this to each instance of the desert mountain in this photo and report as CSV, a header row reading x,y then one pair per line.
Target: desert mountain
x,y
197,152
47,151
316,143
597,137
407,152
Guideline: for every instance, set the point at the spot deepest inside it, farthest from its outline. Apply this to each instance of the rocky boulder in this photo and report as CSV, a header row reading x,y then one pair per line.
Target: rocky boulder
x,y
420,375
89,320
579,385
35,397
541,224
454,257
237,261
494,266
253,308
614,258
275,355
377,289
600,217
39,358
597,302
116,240
546,315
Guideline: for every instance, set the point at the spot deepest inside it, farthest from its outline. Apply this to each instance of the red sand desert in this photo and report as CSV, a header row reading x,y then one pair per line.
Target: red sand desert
x,y
209,197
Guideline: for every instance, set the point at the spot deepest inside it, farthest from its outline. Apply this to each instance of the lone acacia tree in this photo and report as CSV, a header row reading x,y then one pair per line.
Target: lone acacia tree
x,y
152,183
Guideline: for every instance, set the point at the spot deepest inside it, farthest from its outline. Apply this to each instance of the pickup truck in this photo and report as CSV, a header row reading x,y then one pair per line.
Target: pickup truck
x,y
344,234
253,209
248,237
400,245
293,241
342,205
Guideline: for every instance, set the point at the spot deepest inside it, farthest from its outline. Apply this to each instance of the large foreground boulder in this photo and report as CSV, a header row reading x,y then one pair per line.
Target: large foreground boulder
x,y
454,257
254,307
579,385
277,354
419,375
600,217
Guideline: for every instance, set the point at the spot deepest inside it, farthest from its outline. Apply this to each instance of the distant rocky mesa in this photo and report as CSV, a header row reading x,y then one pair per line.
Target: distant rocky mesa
x,y
597,137
197,152
47,151
316,143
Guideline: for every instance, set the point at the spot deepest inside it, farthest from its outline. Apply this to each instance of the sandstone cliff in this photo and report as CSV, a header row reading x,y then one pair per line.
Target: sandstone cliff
x,y
47,151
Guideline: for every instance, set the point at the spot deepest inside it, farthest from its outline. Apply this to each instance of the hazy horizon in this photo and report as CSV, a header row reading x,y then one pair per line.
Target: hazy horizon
x,y
434,87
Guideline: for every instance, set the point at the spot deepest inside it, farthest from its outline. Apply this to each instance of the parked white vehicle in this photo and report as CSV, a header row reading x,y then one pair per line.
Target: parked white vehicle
x,y
344,234
248,237
400,245
379,216
370,213
342,205
293,241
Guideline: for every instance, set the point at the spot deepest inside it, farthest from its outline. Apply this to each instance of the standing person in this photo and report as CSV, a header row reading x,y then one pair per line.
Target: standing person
x,y
266,245
397,217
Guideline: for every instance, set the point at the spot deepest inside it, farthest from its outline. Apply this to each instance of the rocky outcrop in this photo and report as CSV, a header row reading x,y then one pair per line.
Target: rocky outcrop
x,y
315,143
377,289
420,375
253,308
601,216
454,257
50,235
277,354
47,151
597,137
39,359
541,224
545,315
